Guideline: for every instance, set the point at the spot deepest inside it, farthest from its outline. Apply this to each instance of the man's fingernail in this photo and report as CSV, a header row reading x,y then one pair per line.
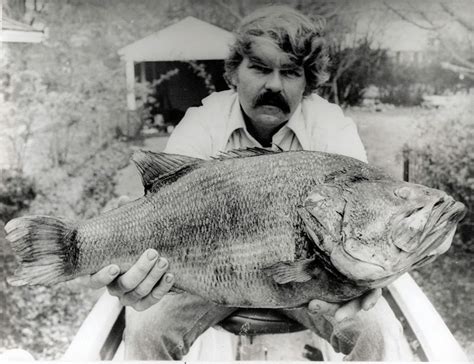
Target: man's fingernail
x,y
369,306
315,308
151,254
169,278
113,270
339,318
162,263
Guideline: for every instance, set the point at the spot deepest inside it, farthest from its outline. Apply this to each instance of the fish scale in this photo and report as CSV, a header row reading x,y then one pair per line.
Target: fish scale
x,y
252,228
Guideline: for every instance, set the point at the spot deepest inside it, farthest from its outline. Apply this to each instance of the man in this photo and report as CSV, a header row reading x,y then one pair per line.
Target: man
x,y
276,64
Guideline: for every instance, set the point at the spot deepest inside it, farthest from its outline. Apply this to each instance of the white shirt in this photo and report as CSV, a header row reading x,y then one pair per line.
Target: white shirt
x,y
218,125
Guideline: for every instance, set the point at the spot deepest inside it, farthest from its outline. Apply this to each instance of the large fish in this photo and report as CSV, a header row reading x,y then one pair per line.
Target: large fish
x,y
252,228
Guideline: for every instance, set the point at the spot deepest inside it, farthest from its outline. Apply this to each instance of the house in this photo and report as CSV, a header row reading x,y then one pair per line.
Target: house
x,y
15,31
184,62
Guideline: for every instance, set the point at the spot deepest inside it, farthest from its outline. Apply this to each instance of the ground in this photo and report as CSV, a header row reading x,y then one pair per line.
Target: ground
x,y
44,320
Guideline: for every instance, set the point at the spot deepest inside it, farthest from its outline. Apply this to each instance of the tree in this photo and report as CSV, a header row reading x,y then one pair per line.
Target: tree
x,y
452,23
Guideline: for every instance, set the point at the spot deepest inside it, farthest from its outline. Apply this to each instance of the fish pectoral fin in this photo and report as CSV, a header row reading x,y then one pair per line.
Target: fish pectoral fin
x,y
285,272
157,169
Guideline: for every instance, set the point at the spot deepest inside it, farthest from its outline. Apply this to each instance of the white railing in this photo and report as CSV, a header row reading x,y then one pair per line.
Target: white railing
x,y
97,340
90,341
436,340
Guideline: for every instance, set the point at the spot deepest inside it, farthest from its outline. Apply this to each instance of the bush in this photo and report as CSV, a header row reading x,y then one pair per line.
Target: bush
x,y
405,84
400,85
402,95
16,192
351,71
444,158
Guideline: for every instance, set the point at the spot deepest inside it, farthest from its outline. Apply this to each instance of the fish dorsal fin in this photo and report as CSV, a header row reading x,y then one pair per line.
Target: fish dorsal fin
x,y
298,271
157,169
246,152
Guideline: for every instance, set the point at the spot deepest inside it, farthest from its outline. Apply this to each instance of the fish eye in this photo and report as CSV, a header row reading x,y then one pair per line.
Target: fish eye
x,y
403,192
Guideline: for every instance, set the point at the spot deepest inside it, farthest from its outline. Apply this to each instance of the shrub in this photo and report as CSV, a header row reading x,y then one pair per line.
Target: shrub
x,y
400,85
402,95
405,84
351,71
16,192
444,158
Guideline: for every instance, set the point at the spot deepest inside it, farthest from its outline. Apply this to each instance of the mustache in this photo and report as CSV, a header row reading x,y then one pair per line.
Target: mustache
x,y
273,99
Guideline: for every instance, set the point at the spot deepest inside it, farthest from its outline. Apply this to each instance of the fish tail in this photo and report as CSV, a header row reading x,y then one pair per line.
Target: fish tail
x,y
46,248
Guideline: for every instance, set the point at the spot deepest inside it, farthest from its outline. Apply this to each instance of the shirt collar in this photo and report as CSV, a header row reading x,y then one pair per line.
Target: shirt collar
x,y
296,123
236,119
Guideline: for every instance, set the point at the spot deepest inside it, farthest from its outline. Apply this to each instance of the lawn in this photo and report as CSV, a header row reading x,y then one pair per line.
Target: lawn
x,y
385,133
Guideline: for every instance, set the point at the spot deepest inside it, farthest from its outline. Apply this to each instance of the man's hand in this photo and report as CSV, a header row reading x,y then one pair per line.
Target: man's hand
x,y
143,285
347,310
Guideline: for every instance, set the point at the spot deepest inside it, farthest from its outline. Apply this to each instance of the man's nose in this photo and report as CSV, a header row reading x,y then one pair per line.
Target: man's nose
x,y
274,82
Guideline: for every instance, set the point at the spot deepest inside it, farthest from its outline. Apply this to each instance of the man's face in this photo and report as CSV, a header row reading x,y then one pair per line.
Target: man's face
x,y
269,85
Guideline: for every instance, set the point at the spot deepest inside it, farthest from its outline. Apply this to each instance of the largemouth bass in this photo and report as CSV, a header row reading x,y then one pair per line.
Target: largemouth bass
x,y
252,228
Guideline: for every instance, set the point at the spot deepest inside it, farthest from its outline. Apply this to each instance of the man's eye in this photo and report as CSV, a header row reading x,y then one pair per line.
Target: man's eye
x,y
259,68
292,73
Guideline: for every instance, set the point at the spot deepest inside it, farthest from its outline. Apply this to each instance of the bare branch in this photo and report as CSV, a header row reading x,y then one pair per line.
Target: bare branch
x,y
457,17
331,11
229,8
446,43
424,16
454,53
469,73
411,21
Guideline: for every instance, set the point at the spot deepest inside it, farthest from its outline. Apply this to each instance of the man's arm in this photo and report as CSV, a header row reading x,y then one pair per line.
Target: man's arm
x,y
191,137
346,141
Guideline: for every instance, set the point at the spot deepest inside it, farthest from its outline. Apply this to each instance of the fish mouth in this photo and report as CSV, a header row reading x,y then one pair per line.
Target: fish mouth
x,y
436,236
441,226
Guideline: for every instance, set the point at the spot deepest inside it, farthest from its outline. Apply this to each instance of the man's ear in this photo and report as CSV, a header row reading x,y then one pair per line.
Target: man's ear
x,y
231,79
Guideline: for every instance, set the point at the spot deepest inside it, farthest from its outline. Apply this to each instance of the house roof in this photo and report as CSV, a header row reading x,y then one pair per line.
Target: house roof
x,y
188,39
15,31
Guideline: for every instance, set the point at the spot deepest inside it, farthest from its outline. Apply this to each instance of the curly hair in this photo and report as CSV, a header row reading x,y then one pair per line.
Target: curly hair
x,y
294,33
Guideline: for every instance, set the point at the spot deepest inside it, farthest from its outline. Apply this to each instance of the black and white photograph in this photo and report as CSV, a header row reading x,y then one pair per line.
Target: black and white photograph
x,y
237,180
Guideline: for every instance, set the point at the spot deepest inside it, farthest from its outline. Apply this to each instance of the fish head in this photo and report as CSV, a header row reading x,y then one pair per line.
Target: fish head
x,y
385,228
